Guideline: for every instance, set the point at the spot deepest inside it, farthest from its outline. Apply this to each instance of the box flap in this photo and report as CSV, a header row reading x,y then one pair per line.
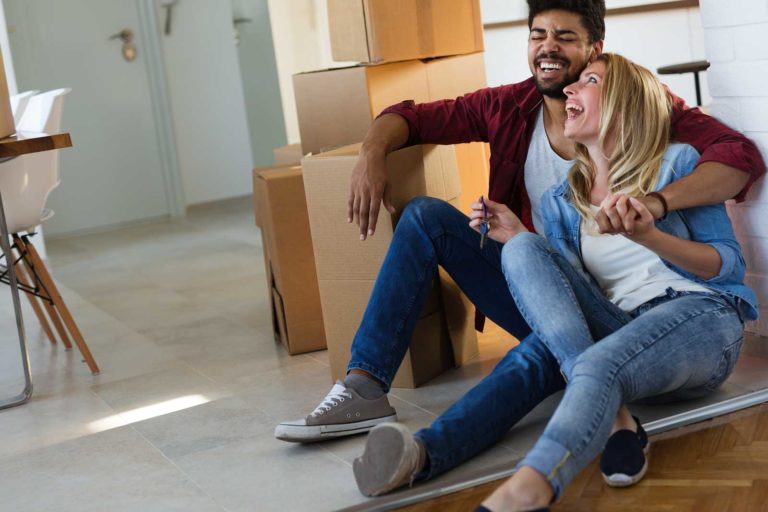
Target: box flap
x,y
278,317
289,154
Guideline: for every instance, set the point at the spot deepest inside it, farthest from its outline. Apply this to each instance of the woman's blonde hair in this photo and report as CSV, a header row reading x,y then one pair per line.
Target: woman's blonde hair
x,y
636,116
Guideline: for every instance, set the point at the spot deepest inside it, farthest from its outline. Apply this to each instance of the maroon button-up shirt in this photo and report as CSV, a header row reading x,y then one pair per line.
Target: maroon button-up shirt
x,y
505,118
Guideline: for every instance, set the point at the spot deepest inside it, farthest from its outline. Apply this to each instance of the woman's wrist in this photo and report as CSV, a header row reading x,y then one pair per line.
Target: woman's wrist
x,y
649,239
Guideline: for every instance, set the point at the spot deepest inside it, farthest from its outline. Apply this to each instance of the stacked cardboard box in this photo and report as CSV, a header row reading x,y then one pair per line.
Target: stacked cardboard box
x,y
281,211
373,31
358,94
335,108
347,268
289,154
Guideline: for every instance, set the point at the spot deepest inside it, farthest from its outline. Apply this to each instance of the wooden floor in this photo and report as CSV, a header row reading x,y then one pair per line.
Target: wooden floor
x,y
715,466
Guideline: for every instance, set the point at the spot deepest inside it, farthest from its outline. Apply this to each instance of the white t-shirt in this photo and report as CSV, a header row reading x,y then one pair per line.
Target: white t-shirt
x,y
543,169
628,273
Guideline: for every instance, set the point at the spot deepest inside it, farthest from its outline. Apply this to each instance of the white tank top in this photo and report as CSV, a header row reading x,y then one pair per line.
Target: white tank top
x,y
628,273
543,169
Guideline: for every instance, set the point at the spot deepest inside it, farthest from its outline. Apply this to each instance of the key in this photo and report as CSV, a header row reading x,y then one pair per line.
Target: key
x,y
484,227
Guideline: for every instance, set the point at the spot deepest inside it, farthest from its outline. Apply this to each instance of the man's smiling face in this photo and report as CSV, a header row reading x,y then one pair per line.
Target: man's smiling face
x,y
558,50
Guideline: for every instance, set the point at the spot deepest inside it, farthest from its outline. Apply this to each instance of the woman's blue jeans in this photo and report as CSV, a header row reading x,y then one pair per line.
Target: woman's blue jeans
x,y
429,233
682,345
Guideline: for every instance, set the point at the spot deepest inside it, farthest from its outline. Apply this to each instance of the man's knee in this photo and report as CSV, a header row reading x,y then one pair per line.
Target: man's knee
x,y
426,211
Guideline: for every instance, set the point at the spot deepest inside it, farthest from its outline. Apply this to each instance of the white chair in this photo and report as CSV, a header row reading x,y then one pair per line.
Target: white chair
x,y
25,183
19,104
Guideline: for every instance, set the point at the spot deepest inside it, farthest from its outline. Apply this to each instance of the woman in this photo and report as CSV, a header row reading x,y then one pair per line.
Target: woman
x,y
655,313
676,284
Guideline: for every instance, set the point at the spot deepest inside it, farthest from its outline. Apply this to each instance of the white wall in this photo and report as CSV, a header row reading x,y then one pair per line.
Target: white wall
x,y
261,89
302,43
735,45
206,94
677,37
10,75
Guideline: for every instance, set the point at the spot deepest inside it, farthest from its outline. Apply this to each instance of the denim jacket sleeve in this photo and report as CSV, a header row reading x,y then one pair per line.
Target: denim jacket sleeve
x,y
705,224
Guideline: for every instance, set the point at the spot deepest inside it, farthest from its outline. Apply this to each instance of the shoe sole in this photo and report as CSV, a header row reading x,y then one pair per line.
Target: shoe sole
x,y
315,433
622,480
380,469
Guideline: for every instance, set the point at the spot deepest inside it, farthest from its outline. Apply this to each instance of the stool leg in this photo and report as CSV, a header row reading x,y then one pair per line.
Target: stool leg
x,y
60,306
22,275
49,308
26,393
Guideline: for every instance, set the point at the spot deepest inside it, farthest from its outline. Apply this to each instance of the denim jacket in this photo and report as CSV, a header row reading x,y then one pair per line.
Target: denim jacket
x,y
705,224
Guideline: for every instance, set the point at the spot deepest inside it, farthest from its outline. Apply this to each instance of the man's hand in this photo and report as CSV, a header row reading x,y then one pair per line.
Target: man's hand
x,y
368,188
502,223
618,217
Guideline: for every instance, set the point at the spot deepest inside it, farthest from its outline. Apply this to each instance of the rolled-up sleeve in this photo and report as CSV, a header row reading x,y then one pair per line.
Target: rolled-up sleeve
x,y
464,119
716,142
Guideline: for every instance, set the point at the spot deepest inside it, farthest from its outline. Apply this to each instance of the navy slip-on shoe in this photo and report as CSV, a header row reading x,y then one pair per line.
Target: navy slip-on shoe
x,y
625,457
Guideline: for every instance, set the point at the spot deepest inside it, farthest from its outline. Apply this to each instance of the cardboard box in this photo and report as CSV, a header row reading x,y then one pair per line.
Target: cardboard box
x,y
288,258
336,107
376,31
288,155
347,268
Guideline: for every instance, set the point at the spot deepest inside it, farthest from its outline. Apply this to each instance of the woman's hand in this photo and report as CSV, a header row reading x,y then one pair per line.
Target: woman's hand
x,y
502,223
644,225
616,217
628,216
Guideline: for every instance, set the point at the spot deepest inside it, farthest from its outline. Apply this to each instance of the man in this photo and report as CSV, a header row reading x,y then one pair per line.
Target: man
x,y
523,123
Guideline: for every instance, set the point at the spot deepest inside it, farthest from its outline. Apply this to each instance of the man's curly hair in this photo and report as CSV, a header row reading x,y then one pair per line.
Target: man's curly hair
x,y
592,13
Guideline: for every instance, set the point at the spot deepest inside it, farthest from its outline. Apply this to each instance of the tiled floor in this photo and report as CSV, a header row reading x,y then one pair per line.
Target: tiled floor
x,y
192,384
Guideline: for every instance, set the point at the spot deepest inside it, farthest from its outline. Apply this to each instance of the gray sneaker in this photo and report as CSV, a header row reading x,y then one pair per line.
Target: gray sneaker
x,y
342,413
391,459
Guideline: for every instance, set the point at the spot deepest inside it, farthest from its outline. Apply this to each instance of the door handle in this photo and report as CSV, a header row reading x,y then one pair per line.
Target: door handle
x,y
126,35
129,49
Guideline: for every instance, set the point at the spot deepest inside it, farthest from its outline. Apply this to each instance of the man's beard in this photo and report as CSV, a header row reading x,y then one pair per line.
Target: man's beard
x,y
554,90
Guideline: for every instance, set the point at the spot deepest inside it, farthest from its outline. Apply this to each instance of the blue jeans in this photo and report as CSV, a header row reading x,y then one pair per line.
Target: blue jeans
x,y
682,345
429,233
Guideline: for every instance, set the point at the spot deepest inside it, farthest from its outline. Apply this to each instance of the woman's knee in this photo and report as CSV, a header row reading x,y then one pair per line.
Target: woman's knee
x,y
519,250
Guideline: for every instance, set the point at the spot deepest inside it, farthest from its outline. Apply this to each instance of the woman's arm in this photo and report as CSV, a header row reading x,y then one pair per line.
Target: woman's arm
x,y
701,259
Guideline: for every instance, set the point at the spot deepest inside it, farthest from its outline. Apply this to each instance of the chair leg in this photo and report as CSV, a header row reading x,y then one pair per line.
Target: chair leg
x,y
23,277
60,306
49,308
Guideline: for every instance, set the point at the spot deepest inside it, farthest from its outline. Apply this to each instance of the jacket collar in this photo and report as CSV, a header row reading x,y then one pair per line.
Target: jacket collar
x,y
527,97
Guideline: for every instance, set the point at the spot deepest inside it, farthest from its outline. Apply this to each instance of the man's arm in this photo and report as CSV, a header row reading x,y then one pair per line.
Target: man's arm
x,y
711,183
730,163
407,124
368,185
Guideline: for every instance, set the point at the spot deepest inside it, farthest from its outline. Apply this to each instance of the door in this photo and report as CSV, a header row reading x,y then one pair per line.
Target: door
x,y
115,172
